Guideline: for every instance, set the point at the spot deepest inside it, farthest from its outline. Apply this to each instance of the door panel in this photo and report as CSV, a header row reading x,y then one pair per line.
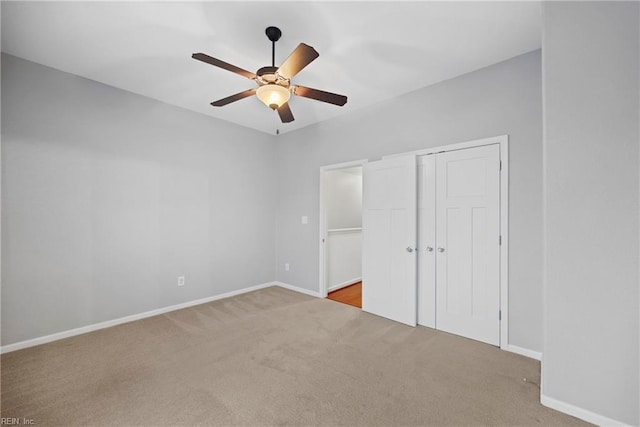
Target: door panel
x,y
388,229
427,241
468,251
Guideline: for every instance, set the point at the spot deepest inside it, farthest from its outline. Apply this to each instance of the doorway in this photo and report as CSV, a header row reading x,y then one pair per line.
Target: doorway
x,y
341,232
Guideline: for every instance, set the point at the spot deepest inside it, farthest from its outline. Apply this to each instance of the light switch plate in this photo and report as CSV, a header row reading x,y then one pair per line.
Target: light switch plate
x,y
305,219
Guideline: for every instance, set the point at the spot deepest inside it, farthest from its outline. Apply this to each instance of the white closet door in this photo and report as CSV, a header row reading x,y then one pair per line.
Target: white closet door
x,y
467,247
427,241
389,239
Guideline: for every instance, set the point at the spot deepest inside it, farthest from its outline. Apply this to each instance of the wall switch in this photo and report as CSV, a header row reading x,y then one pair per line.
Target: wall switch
x,y
180,280
286,266
305,219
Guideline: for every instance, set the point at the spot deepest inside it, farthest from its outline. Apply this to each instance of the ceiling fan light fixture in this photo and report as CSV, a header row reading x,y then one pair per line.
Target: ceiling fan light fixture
x,y
274,83
273,95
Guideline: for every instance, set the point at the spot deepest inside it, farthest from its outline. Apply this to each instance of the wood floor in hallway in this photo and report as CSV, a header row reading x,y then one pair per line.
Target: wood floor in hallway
x,y
351,295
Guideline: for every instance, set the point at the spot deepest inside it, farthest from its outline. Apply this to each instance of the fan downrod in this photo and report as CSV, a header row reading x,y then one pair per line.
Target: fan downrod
x,y
273,33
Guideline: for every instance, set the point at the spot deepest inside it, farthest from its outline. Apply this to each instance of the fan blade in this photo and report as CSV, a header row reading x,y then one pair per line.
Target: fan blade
x,y
218,63
285,113
301,56
320,95
233,98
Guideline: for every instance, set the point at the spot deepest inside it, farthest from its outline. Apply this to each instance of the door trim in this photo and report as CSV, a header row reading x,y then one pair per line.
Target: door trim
x,y
323,221
503,141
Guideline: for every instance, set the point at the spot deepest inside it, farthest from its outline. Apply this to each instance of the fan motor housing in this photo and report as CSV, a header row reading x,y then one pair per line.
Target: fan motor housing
x,y
269,75
265,71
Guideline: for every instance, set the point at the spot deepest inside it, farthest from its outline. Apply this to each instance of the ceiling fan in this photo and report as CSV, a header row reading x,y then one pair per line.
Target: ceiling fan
x,y
274,83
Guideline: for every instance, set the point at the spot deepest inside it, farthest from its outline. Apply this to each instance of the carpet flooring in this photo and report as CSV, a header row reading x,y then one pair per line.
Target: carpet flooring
x,y
272,357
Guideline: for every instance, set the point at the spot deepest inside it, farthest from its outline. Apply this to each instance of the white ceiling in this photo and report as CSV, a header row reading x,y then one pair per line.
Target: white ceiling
x,y
369,51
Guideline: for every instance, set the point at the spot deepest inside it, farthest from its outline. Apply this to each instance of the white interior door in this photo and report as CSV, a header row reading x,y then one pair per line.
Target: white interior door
x,y
389,239
468,247
427,240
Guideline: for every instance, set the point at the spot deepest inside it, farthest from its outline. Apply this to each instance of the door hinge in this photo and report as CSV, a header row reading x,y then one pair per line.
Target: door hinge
x,y
499,314
500,240
500,164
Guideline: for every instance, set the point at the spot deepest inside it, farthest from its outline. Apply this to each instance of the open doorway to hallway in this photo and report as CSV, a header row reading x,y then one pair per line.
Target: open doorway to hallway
x,y
341,233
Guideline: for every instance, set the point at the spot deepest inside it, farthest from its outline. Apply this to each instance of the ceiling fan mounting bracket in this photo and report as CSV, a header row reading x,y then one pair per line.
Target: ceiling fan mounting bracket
x,y
273,33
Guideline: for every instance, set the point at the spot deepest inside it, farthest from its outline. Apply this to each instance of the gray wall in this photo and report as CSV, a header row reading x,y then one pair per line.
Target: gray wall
x,y
343,189
591,226
501,99
109,196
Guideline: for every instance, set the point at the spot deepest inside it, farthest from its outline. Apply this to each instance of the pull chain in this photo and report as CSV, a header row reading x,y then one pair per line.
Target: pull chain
x,y
276,119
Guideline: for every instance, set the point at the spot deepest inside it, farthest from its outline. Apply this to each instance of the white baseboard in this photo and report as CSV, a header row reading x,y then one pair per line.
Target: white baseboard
x,y
297,289
107,324
524,351
577,412
344,284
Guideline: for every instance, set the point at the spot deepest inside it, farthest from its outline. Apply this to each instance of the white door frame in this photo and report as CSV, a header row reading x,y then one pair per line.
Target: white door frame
x,y
323,220
503,141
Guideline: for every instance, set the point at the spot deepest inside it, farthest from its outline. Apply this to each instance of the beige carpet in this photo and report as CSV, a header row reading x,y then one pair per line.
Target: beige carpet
x,y
272,357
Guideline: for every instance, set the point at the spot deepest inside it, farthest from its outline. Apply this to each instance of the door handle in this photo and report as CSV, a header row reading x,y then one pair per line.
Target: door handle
x,y
409,249
429,249
440,249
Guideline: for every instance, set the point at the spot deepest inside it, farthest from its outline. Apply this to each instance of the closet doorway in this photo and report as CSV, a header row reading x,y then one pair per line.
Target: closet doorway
x,y
341,232
435,239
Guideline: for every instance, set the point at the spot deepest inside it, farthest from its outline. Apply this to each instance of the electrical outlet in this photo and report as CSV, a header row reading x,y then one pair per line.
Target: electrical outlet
x,y
180,280
286,266
305,220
